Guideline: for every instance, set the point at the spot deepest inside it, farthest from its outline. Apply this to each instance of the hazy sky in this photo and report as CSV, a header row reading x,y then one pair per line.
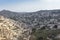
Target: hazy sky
x,y
29,5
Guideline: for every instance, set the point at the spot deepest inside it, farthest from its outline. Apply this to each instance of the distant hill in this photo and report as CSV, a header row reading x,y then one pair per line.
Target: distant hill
x,y
33,18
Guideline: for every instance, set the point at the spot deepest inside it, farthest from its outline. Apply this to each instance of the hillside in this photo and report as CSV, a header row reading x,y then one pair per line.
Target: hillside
x,y
33,19
12,30
39,25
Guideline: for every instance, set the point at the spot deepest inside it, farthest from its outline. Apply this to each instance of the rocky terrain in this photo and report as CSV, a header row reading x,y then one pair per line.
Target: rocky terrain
x,y
34,19
12,30
39,25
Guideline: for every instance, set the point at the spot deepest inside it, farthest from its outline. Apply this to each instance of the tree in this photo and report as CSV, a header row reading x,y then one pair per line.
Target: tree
x,y
40,38
33,30
55,26
43,28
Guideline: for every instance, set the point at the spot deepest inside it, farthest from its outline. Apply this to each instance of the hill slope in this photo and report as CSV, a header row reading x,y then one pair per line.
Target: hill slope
x,y
11,30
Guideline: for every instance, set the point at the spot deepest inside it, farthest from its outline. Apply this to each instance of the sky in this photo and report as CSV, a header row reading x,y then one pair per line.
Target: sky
x,y
29,5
